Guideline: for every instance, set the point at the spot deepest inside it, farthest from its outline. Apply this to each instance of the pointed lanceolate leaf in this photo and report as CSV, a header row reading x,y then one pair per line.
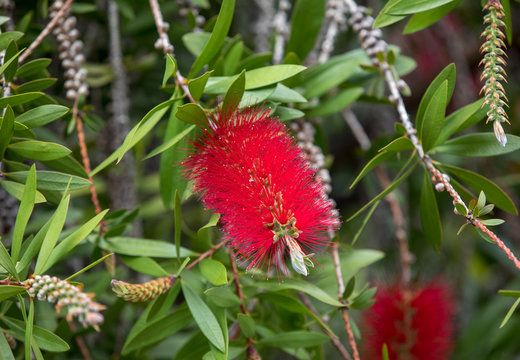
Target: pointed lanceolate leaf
x,y
478,145
24,213
430,218
306,20
434,117
447,74
462,119
192,114
214,271
203,316
197,85
42,115
295,339
6,130
39,150
217,37
423,19
234,93
171,68
406,7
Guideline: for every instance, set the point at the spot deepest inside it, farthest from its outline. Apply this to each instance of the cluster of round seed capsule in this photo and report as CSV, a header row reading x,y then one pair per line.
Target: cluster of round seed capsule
x,y
66,296
185,7
304,133
69,49
369,38
337,22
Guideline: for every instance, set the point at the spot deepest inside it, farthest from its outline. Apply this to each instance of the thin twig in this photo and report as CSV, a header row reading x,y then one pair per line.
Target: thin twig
x,y
341,290
167,47
207,253
411,133
335,341
46,31
86,162
79,341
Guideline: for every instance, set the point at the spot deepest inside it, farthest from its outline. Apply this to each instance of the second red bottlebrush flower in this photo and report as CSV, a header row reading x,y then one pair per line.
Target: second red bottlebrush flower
x,y
247,168
414,323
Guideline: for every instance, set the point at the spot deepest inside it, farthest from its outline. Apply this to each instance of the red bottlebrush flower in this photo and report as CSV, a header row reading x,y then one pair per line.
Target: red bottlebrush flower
x,y
415,324
247,168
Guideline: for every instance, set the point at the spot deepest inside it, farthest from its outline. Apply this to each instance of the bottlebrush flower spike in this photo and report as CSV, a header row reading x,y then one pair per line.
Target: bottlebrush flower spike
x,y
142,292
493,73
414,323
247,168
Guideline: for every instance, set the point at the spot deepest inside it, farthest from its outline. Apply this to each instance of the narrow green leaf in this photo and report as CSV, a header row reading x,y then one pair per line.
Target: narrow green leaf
x,y
20,99
42,115
306,19
203,316
384,18
300,285
6,262
5,349
67,244
462,119
213,221
384,352
16,190
481,202
192,114
507,21
510,293
284,94
39,150
7,64
478,145
214,271
510,313
234,94
171,68
51,180
423,19
492,222
171,176
434,117
144,265
330,78
159,329
295,339
33,247
45,339
35,85
89,266
477,182
177,209
171,142
400,144
139,131
364,299
448,73
143,247
385,192
286,113
197,85
29,330
7,37
7,291
55,227
143,127
337,103
365,222
232,58
217,37
407,7
6,130
32,67
258,96
67,165
430,218
24,213
222,296
12,50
